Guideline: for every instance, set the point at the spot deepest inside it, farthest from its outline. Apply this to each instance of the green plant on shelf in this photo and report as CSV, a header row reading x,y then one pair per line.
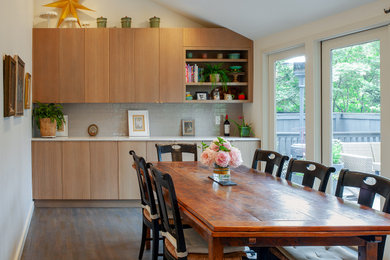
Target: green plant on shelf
x,y
216,74
52,111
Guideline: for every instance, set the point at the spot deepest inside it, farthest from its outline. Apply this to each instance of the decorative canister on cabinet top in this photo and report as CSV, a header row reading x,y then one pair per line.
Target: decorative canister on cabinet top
x,y
126,22
101,22
154,22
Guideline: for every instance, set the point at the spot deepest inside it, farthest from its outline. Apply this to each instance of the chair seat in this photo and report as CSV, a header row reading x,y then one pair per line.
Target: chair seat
x,y
317,252
197,247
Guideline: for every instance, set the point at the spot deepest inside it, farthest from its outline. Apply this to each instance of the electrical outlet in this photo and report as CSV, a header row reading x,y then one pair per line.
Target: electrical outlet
x,y
217,120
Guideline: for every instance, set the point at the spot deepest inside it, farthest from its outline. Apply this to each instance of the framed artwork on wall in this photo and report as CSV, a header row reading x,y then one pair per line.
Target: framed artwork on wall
x,y
19,105
138,122
9,78
188,127
27,91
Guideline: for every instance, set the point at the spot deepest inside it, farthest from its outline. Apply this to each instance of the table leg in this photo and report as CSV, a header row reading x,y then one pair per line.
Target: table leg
x,y
369,251
215,249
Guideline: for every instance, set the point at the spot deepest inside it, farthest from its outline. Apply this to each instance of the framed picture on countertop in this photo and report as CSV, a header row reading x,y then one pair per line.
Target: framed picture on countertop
x,y
188,127
138,122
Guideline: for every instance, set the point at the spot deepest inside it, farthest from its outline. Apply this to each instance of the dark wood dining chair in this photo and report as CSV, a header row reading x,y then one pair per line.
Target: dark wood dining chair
x,y
271,160
176,151
180,243
369,186
150,216
310,171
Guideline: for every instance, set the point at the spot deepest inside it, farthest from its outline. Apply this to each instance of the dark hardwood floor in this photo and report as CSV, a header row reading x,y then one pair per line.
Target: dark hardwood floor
x,y
84,233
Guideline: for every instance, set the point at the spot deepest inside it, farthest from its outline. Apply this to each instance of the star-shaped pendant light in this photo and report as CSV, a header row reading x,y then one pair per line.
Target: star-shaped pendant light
x,y
69,7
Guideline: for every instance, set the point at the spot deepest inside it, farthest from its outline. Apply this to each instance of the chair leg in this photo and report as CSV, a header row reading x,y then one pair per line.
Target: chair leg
x,y
143,240
155,241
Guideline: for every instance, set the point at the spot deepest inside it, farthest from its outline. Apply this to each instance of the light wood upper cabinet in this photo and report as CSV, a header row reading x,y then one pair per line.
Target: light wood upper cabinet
x,y
214,37
104,170
171,65
97,65
72,66
76,170
46,72
47,170
121,69
146,69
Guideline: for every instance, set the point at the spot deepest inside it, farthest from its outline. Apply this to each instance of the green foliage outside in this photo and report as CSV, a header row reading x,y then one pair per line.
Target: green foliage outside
x,y
356,81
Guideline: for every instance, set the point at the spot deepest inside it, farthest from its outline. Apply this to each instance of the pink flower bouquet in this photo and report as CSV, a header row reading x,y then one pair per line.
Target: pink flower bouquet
x,y
220,153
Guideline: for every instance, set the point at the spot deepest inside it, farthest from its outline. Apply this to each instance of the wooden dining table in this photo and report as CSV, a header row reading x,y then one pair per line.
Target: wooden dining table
x,y
266,211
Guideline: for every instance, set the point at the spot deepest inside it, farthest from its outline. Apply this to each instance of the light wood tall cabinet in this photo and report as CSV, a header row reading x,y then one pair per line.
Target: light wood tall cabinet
x,y
97,65
46,70
147,65
122,88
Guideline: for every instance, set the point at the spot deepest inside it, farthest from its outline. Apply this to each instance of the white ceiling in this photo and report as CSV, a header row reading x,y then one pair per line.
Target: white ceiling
x,y
258,18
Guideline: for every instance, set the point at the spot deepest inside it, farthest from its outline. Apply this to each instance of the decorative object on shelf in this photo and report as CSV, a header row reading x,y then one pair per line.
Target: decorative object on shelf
x,y
189,55
138,122
126,22
70,22
216,94
220,56
19,103
69,7
9,78
221,155
216,74
49,118
86,25
241,96
188,96
93,130
63,130
154,22
235,68
101,22
228,96
245,129
234,55
48,16
204,55
27,91
201,95
188,127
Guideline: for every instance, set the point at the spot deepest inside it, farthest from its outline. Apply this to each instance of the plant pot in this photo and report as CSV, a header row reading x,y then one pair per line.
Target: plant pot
x,y
214,78
47,127
101,22
154,22
245,131
126,22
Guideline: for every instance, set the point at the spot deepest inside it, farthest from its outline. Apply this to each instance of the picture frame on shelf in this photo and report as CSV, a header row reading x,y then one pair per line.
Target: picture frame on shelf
x,y
27,91
188,127
201,95
19,95
9,81
138,122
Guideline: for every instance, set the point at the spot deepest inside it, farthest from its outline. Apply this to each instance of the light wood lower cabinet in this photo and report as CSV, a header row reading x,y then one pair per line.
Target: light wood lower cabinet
x,y
104,170
76,171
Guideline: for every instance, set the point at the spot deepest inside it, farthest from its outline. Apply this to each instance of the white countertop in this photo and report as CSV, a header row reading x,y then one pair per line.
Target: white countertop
x,y
151,138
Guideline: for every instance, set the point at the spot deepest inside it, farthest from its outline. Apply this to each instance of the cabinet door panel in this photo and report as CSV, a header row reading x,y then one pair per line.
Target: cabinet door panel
x,y
247,149
146,69
122,65
171,65
47,170
46,72
104,170
214,37
128,182
76,170
72,68
96,65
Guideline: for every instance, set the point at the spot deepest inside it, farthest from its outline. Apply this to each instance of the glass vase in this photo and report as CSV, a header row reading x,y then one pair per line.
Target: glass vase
x,y
221,173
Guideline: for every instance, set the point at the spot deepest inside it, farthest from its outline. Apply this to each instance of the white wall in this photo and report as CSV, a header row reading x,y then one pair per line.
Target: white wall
x,y
139,10
16,18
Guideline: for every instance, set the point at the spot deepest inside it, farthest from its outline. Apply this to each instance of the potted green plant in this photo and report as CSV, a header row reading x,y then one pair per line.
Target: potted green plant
x,y
216,74
245,129
49,118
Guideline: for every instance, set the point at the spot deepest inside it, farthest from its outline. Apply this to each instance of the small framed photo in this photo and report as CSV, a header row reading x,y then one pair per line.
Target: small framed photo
x,y
9,78
138,122
19,106
201,95
188,127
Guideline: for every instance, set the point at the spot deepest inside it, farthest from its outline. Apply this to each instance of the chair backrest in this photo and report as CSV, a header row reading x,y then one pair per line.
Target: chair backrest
x,y
311,171
271,159
167,201
145,184
176,151
369,185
